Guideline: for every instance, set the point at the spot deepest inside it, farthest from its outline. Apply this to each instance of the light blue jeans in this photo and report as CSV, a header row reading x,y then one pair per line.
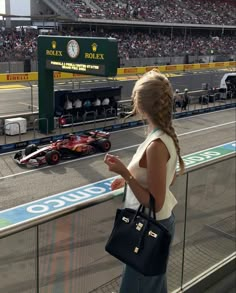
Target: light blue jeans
x,y
134,282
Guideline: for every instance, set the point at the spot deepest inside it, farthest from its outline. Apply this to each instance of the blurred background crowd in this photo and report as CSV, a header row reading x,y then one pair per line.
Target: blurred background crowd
x,y
15,45
144,41
174,11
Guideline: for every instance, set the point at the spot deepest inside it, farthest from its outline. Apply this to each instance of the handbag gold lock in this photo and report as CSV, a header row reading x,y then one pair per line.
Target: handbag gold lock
x,y
152,234
126,220
136,249
139,226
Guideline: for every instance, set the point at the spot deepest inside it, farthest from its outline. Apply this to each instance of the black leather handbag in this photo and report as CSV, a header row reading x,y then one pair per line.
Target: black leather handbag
x,y
139,240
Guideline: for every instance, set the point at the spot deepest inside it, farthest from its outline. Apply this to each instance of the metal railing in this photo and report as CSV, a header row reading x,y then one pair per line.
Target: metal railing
x,y
37,120
90,113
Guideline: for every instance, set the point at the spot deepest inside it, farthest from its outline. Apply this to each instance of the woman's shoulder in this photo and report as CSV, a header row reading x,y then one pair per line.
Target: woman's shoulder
x,y
166,140
158,148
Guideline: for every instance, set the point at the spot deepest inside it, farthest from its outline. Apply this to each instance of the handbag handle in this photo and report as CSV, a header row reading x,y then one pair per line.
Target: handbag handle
x,y
141,208
151,208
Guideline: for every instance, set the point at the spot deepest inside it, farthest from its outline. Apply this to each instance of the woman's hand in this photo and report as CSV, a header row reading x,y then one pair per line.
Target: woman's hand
x,y
118,183
115,165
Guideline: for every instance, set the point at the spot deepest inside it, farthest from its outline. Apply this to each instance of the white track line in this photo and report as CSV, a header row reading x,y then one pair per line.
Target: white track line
x,y
29,105
207,128
113,151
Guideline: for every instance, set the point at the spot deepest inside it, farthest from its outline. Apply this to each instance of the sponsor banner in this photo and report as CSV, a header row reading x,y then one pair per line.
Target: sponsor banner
x,y
230,63
46,139
189,66
116,126
54,203
125,125
21,144
209,154
16,77
204,65
86,194
202,110
196,66
148,68
108,128
58,137
189,113
33,76
131,70
133,123
7,147
177,67
34,141
171,67
219,64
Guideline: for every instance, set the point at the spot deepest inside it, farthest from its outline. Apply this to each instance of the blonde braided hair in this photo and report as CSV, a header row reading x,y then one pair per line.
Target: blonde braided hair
x,y
152,96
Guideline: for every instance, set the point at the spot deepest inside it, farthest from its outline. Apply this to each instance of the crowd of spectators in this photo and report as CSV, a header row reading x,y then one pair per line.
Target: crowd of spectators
x,y
176,11
133,45
16,45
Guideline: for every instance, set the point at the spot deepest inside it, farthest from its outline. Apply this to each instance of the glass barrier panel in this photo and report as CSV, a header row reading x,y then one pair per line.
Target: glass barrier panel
x,y
72,258
18,258
72,255
174,272
210,230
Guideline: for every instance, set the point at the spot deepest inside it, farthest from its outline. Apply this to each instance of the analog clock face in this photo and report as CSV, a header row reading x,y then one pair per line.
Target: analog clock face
x,y
73,49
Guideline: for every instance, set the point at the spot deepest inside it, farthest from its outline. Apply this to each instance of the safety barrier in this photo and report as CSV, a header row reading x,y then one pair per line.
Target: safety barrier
x,y
68,232
33,76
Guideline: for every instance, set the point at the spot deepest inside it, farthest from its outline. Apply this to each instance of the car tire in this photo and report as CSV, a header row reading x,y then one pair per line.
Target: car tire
x,y
52,157
91,150
18,155
30,149
104,145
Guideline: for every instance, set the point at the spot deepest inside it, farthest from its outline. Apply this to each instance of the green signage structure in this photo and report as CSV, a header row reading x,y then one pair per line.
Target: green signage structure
x,y
90,56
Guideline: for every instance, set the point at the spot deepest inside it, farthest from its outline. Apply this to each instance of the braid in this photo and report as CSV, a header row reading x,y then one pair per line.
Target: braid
x,y
171,132
165,122
152,95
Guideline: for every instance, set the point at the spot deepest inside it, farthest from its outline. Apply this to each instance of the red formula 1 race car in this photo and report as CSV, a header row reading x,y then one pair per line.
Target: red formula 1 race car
x,y
72,146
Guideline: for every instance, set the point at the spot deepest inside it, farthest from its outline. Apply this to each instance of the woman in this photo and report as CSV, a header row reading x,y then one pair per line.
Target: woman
x,y
152,168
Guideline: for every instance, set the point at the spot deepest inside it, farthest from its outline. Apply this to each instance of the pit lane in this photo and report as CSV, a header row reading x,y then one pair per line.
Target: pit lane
x,y
19,185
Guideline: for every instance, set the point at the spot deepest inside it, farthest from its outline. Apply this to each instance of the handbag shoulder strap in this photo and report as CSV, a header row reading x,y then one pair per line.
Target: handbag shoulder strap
x,y
151,207
125,191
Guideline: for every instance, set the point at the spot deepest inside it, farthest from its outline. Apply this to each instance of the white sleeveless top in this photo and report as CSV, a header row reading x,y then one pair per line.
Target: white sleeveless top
x,y
140,174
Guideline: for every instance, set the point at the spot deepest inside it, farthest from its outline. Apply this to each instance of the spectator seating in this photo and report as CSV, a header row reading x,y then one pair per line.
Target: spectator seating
x,y
14,46
175,11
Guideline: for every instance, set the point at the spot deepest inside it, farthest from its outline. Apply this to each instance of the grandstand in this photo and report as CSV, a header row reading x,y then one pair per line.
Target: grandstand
x,y
180,32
